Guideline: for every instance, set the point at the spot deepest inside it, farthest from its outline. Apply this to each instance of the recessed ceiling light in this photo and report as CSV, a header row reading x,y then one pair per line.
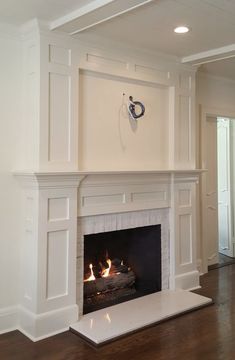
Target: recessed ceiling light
x,y
181,30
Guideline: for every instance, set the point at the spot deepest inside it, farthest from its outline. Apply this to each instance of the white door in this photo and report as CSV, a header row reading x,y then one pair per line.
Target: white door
x,y
209,192
224,192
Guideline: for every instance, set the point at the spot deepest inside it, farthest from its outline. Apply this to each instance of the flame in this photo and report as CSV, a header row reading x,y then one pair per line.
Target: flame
x,y
105,272
92,276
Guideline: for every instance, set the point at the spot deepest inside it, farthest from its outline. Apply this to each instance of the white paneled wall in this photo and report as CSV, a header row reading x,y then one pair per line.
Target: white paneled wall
x,y
185,234
48,279
72,98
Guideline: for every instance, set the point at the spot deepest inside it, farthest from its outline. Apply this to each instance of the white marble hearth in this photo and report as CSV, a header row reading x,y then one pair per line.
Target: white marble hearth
x,y
112,322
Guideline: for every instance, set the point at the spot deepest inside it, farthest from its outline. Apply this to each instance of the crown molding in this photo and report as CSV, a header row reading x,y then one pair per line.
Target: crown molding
x,y
48,180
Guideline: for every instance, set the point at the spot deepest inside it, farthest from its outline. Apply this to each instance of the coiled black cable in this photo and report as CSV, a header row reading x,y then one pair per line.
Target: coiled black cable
x,y
132,108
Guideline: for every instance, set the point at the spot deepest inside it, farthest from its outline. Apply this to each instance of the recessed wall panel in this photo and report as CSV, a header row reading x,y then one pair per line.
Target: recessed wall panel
x,y
184,198
58,209
59,55
108,138
105,61
184,134
57,263
185,236
59,117
185,82
149,196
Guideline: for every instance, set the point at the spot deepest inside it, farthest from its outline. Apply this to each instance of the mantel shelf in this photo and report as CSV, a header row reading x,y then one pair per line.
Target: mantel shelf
x,y
108,172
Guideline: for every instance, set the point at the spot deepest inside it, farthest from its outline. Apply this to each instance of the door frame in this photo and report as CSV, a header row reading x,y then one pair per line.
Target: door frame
x,y
205,112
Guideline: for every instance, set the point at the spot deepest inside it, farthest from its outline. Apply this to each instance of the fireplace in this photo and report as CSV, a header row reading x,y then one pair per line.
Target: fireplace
x,y
121,265
107,204
138,240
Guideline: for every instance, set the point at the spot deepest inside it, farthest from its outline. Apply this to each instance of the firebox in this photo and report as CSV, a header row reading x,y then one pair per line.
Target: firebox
x,y
121,265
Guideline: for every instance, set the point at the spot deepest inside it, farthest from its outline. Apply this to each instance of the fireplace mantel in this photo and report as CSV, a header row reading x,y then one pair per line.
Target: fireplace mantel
x,y
55,202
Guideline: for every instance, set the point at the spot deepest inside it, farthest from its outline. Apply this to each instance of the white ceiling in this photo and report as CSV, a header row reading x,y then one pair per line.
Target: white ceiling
x,y
18,12
212,24
223,68
150,27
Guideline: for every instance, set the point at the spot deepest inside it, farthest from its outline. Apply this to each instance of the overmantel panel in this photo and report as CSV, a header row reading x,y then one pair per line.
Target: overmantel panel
x,y
60,60
58,104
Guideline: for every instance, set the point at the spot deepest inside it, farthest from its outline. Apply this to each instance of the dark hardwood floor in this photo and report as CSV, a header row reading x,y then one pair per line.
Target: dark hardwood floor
x,y
205,334
223,261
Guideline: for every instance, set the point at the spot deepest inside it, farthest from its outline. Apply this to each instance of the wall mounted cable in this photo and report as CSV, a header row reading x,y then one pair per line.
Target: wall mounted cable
x,y
133,108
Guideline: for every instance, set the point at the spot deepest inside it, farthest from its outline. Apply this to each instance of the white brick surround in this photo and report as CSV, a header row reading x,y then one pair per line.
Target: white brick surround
x,y
102,223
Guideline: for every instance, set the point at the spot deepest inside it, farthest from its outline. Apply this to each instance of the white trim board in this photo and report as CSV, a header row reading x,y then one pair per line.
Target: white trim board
x,y
110,323
94,13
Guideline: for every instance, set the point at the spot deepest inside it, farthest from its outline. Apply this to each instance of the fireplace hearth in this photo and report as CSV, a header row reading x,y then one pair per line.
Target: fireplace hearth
x,y
120,266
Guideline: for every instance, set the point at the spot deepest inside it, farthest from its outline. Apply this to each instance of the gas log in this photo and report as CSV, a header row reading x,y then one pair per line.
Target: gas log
x,y
113,282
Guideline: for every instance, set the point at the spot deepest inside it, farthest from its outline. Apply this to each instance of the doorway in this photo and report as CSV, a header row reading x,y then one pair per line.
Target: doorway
x,y
217,190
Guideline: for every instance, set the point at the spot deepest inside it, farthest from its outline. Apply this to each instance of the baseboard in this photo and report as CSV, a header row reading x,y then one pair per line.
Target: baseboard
x,y
187,281
213,259
38,327
8,319
199,266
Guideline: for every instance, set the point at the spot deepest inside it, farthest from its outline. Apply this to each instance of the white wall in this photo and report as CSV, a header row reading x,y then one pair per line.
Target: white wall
x,y
108,133
10,128
215,94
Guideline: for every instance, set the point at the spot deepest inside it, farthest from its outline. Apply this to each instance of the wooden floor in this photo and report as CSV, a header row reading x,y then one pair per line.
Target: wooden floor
x,y
205,334
223,261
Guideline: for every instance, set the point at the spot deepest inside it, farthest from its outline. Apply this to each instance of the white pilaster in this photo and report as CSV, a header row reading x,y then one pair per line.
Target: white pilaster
x,y
184,219
48,258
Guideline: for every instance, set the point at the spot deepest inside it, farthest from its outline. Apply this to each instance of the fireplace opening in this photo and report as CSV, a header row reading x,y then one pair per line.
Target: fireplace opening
x,y
121,265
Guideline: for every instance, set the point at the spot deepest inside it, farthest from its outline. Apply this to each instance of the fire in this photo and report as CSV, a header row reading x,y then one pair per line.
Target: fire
x,y
105,272
92,276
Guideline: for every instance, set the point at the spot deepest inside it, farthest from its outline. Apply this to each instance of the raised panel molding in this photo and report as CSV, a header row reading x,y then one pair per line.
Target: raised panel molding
x,y
112,194
58,209
100,61
185,230
153,73
185,237
107,63
185,82
58,113
184,129
59,117
49,252
57,264
59,55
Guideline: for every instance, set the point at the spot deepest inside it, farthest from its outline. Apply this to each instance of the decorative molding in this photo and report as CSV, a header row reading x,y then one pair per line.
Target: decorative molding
x,y
213,259
203,57
49,180
132,191
199,266
94,13
40,326
187,281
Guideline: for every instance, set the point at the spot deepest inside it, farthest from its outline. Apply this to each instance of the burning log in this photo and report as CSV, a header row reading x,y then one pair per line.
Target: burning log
x,y
113,282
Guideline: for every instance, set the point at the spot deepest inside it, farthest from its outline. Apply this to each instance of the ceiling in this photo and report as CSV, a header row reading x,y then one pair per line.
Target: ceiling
x,y
212,24
223,68
150,27
18,12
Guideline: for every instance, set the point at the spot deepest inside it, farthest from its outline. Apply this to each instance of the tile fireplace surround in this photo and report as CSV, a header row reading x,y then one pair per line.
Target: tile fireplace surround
x,y
60,208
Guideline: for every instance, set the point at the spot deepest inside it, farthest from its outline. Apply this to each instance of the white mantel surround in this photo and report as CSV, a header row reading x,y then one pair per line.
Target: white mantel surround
x,y
72,120
49,303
